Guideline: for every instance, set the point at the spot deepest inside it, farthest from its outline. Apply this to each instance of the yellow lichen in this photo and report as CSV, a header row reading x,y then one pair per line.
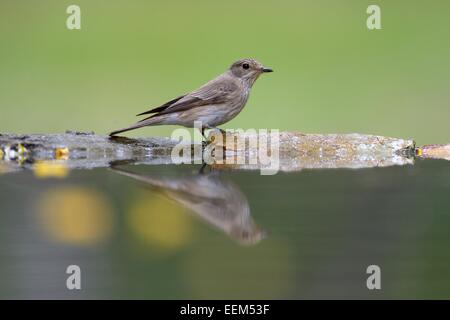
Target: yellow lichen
x,y
62,153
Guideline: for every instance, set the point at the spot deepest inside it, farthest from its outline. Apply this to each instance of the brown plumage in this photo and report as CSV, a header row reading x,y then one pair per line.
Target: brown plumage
x,y
214,103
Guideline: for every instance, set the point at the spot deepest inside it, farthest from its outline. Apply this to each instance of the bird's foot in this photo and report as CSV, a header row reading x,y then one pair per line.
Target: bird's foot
x,y
214,135
203,168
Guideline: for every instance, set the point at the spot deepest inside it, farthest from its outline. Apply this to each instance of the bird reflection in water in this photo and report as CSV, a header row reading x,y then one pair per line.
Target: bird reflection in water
x,y
211,197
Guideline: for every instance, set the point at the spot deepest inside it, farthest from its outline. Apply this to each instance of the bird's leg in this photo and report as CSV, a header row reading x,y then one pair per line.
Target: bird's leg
x,y
202,169
203,132
224,136
205,141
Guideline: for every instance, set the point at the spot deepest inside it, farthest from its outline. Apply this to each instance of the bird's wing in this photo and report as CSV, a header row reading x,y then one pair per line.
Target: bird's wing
x,y
216,91
164,106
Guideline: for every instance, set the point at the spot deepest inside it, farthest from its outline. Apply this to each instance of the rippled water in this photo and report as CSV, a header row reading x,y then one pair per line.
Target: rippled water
x,y
172,232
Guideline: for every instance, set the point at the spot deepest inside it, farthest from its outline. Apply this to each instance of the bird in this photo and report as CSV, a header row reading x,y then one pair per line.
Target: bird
x,y
213,104
211,197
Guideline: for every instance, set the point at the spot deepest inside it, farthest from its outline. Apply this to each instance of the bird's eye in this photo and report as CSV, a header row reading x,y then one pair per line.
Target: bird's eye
x,y
245,66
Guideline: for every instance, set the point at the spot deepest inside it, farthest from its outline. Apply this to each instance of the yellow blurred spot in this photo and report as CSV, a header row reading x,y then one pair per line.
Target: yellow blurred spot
x,y
418,152
4,168
1,154
160,222
62,153
75,215
46,169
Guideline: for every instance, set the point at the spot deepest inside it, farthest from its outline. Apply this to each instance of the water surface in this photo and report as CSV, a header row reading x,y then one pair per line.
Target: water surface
x,y
170,232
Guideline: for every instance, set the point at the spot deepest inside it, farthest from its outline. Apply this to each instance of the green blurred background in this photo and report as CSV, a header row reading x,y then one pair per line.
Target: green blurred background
x,y
332,73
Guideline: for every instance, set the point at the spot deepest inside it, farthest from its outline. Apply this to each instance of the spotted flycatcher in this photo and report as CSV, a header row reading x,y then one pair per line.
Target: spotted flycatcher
x,y
213,104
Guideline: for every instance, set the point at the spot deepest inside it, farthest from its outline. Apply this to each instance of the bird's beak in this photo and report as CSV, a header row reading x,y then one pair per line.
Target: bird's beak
x,y
264,69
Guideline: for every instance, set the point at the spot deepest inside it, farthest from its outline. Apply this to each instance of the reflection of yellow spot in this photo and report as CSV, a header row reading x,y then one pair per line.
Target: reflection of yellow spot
x,y
21,149
21,159
62,153
75,215
45,169
3,168
1,154
159,222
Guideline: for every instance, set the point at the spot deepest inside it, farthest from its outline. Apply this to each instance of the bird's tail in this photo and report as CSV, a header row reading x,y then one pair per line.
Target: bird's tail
x,y
146,122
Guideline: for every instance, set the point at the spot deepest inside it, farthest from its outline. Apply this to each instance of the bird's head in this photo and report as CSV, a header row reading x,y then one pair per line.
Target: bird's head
x,y
248,70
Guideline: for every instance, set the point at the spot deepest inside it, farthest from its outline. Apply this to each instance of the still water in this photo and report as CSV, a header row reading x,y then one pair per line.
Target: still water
x,y
170,232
